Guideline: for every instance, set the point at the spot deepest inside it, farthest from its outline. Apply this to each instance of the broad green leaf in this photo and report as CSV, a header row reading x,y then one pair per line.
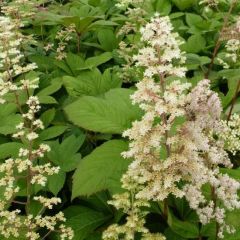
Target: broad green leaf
x,y
234,173
56,182
184,4
170,235
47,100
65,154
101,23
8,119
54,87
193,20
91,83
100,169
112,114
107,39
83,221
163,6
81,24
93,62
194,44
48,116
74,62
183,228
9,149
52,132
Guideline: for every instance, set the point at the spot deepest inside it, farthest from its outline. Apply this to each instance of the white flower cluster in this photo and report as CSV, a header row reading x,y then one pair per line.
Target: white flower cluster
x,y
205,154
15,223
148,177
230,133
135,18
11,60
135,220
210,3
166,152
162,49
20,9
231,35
63,36
126,3
233,49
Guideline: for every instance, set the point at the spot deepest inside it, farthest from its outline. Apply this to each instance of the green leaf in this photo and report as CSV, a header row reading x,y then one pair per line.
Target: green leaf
x,y
54,87
193,20
233,173
8,119
48,116
93,62
65,154
56,182
83,221
194,44
112,114
184,4
9,149
52,132
91,83
170,235
163,6
107,39
47,100
74,61
183,228
81,24
101,169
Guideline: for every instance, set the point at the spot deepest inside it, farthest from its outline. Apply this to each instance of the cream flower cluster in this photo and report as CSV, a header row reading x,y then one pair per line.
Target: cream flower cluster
x,y
135,220
26,166
20,9
231,35
175,145
162,49
205,154
64,36
11,64
148,177
135,18
210,3
126,3
230,133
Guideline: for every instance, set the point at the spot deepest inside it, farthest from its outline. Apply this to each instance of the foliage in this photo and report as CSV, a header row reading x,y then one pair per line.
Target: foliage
x,y
83,50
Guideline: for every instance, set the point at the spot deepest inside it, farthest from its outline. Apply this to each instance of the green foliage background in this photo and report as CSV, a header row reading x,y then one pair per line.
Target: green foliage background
x,y
86,107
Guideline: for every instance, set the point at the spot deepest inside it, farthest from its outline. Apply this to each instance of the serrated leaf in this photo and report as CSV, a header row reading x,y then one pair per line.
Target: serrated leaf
x,y
65,154
48,116
52,132
56,182
112,114
107,39
9,149
183,228
83,221
194,44
91,83
91,175
163,6
93,62
8,119
184,4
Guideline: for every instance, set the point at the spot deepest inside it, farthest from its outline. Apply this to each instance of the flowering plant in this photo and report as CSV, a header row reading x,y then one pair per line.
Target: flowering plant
x,y
119,119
